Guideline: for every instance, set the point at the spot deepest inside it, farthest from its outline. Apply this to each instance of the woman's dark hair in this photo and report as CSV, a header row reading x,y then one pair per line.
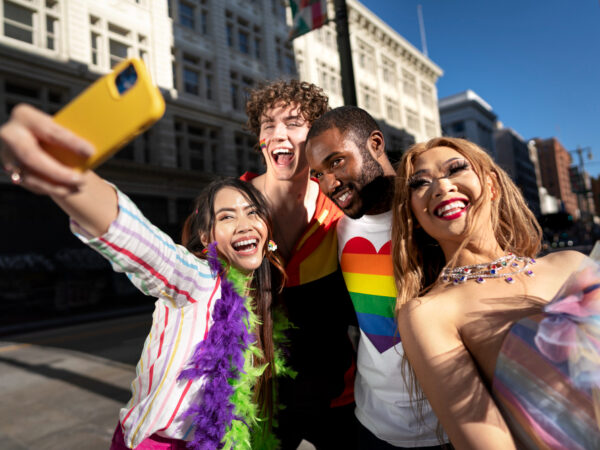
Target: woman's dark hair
x,y
270,273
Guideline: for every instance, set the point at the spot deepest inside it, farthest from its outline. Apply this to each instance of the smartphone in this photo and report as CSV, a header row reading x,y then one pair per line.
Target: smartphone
x,y
110,113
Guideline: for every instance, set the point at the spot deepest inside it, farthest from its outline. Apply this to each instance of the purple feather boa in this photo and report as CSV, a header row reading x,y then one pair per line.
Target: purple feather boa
x,y
218,359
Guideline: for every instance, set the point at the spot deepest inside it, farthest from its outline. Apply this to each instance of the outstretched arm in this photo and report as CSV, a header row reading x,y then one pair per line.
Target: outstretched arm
x,y
86,198
449,378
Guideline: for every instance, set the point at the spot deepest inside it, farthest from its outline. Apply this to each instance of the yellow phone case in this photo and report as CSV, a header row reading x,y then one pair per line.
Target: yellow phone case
x,y
108,119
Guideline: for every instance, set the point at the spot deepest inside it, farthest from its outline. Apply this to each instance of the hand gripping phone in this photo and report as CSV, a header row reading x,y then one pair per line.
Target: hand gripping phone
x,y
110,113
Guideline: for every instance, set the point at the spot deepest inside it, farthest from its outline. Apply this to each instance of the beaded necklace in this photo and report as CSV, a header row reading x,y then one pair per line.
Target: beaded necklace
x,y
494,269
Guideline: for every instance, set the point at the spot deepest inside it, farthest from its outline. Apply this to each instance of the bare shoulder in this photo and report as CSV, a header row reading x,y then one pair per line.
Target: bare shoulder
x,y
566,261
433,311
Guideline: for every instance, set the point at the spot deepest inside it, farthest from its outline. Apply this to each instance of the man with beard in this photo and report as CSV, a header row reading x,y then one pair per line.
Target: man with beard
x,y
318,403
346,152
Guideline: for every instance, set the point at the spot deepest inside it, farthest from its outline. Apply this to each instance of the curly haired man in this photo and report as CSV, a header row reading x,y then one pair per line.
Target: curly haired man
x,y
319,403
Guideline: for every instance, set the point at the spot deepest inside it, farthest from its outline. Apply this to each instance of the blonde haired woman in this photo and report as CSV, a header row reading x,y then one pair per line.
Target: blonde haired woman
x,y
463,248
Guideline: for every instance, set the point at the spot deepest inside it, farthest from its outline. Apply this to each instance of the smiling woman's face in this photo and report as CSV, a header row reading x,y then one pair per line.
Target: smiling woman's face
x,y
443,186
238,229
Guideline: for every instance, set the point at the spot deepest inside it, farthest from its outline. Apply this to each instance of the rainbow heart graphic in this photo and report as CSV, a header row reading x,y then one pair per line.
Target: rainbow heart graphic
x,y
369,277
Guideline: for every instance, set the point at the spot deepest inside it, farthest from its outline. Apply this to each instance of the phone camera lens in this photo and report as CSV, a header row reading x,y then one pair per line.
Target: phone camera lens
x,y
126,79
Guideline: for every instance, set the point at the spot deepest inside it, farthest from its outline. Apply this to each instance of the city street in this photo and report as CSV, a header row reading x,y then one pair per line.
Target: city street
x,y
62,388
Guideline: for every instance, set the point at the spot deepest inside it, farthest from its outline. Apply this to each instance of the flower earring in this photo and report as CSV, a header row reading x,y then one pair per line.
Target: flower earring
x,y
271,246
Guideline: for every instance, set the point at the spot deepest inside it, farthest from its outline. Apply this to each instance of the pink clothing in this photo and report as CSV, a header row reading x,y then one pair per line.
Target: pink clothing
x,y
154,442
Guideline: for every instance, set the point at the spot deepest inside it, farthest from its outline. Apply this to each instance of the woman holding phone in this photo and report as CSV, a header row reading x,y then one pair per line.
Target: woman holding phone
x,y
205,376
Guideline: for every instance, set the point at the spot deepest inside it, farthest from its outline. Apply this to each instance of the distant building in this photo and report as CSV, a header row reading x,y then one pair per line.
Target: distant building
x,y
395,82
554,162
466,115
512,154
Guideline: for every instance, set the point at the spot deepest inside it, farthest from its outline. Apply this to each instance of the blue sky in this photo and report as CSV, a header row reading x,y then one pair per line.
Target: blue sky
x,y
536,62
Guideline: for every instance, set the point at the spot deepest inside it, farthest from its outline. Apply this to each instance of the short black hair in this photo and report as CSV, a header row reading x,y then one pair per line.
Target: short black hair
x,y
353,121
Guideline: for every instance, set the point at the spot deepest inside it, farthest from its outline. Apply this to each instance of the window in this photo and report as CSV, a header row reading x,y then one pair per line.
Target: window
x,y
35,23
239,87
197,145
118,52
47,98
409,83
196,75
426,95
191,14
242,37
244,45
392,110
389,71
326,35
284,54
111,43
18,22
187,14
430,129
412,120
365,52
247,158
278,9
329,78
369,98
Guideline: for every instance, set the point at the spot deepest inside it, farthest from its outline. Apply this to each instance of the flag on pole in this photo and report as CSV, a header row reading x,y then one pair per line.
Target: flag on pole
x,y
307,15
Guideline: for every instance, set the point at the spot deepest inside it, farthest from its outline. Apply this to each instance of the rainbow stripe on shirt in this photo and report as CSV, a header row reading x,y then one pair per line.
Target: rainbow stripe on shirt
x,y
369,277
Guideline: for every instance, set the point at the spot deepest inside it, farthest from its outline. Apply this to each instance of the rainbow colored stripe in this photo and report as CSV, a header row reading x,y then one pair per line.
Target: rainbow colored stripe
x,y
369,277
539,400
263,144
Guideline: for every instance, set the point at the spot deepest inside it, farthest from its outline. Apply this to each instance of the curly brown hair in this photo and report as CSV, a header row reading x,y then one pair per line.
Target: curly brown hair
x,y
312,101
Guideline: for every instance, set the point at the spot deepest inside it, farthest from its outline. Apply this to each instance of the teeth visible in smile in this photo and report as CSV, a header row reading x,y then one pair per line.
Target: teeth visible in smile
x,y
245,243
344,196
450,208
282,151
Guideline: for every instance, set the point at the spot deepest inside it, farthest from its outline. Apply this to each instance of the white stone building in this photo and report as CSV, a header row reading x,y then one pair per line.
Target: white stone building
x,y
201,53
395,82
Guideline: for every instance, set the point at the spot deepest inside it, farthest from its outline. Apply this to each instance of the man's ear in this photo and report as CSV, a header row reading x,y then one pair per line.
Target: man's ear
x,y
376,143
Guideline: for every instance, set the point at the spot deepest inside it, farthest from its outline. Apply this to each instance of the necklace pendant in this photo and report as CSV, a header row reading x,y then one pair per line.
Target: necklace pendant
x,y
530,273
480,280
493,271
509,280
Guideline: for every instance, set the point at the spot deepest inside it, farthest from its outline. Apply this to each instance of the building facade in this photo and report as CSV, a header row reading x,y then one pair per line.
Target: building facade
x,y
466,115
512,154
554,162
202,54
395,82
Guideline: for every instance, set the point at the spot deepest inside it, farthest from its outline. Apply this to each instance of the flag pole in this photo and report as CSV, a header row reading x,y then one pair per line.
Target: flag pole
x,y
343,42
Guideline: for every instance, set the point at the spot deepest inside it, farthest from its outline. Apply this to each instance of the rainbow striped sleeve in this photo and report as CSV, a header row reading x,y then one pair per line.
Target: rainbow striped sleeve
x,y
149,257
370,280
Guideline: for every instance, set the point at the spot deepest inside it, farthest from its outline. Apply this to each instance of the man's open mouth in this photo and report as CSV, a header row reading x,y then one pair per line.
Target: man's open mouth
x,y
283,156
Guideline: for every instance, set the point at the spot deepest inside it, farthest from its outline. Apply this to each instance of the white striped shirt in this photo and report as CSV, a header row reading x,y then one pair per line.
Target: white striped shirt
x,y
186,292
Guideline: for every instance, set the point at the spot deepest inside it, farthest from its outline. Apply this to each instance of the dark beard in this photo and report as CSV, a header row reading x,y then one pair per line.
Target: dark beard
x,y
377,190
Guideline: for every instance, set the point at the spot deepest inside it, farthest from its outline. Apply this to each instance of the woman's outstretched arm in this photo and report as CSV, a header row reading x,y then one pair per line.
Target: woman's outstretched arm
x,y
85,197
449,378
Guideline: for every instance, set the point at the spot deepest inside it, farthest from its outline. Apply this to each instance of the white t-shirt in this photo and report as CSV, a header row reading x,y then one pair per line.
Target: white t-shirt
x,y
382,399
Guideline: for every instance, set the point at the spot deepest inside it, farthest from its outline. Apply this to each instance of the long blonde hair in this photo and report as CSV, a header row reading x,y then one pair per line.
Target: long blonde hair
x,y
417,258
